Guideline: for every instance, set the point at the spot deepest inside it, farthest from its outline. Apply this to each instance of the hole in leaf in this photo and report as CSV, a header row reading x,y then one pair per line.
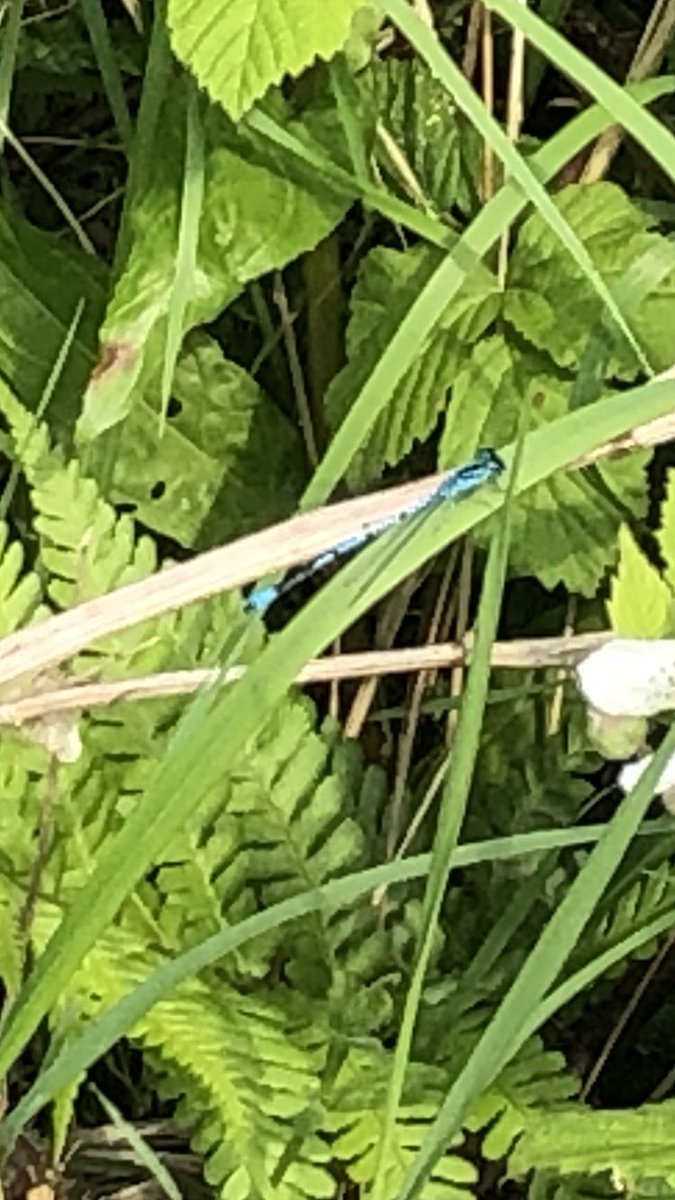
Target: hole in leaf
x,y
157,490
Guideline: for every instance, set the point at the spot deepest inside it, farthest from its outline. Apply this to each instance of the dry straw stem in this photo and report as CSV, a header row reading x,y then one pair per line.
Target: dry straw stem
x,y
648,56
33,650
517,655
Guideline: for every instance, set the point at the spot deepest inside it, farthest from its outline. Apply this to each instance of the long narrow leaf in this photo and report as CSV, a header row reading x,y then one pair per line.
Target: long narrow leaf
x,y
107,64
619,101
397,357
453,808
511,1024
101,1034
426,42
213,733
186,252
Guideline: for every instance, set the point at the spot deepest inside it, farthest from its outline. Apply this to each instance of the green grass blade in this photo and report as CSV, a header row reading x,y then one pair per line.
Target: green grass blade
x,y
483,233
47,393
8,48
511,1025
619,101
144,1152
156,80
217,725
345,93
426,42
107,64
453,808
73,1059
592,970
186,252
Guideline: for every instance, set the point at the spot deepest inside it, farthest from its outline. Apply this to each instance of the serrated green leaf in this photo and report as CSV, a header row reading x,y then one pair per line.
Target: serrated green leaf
x,y
440,148
565,529
551,303
238,48
388,282
255,219
640,603
228,462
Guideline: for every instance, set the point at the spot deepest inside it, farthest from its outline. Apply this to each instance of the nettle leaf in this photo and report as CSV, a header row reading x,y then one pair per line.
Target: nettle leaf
x,y
641,603
238,48
389,281
42,281
255,219
439,146
566,528
228,460
552,304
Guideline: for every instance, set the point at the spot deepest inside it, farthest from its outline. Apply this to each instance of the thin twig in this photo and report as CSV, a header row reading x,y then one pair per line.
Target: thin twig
x,y
487,58
402,165
514,120
520,655
651,49
472,39
462,626
413,709
388,627
295,367
555,714
65,210
628,1012
35,648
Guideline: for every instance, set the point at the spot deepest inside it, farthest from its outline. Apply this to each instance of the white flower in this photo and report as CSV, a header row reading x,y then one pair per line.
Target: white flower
x,y
630,677
629,775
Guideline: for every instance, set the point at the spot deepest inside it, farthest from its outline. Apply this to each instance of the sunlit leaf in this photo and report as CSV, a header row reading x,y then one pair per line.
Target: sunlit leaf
x,y
238,48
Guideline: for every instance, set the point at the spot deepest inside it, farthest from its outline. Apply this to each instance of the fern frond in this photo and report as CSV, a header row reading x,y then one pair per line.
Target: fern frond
x,y
284,823
635,1144
355,1110
247,1073
19,593
649,897
536,1080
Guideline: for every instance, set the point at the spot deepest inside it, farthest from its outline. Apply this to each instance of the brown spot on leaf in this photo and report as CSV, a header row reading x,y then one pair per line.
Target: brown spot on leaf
x,y
113,357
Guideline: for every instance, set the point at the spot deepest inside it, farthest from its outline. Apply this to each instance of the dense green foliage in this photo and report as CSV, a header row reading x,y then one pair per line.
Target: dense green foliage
x,y
289,274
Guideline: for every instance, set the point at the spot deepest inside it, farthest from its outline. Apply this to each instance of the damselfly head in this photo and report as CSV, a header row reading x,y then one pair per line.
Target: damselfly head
x,y
491,462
